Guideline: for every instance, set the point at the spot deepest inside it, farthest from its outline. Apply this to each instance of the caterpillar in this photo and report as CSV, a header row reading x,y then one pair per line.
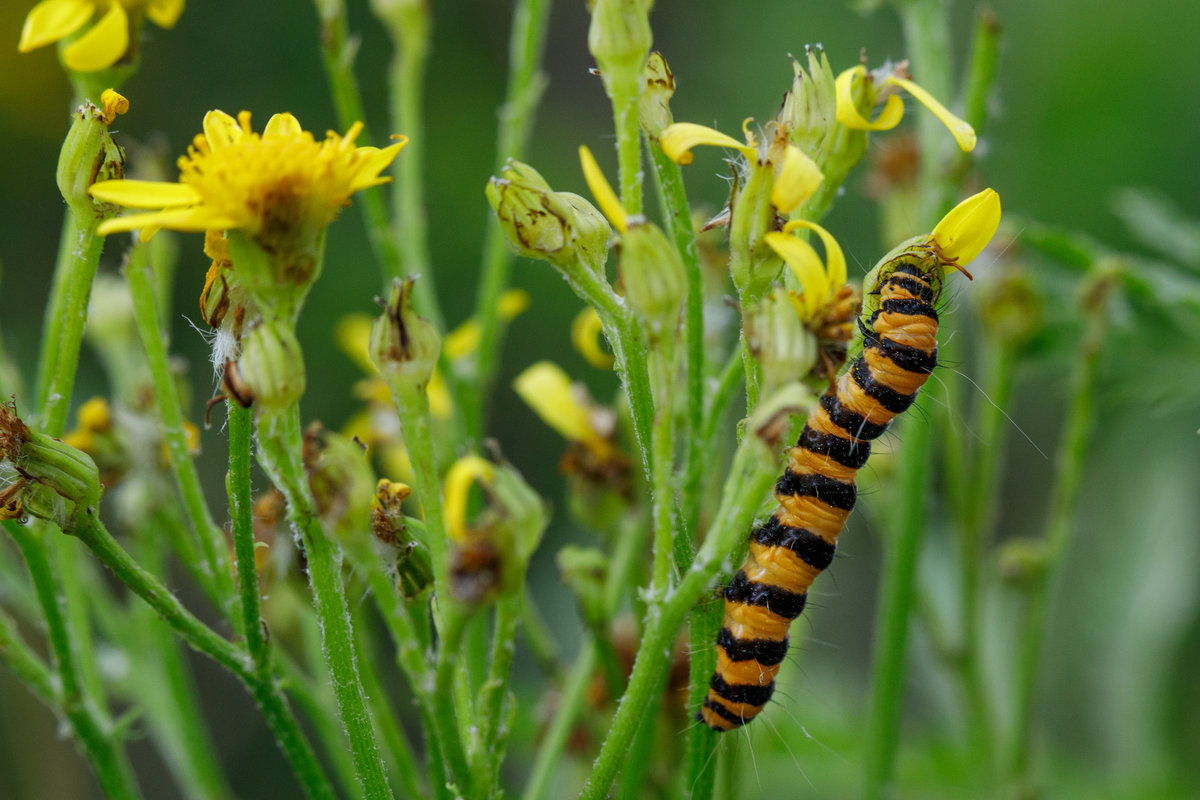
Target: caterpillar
x,y
817,490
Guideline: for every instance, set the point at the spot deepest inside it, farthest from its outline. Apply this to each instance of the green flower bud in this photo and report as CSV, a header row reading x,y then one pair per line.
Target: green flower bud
x,y
559,227
585,570
42,476
752,264
1021,560
785,348
404,346
653,276
809,110
1010,309
619,39
88,155
270,371
341,480
654,110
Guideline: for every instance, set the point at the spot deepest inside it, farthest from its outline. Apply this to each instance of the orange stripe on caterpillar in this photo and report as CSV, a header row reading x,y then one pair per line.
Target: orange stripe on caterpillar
x,y
817,491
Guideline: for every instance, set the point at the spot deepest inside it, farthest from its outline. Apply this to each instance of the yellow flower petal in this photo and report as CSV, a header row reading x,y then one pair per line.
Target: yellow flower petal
x,y
52,20
963,132
835,259
464,472
798,179
353,335
145,194
966,230
283,124
550,393
189,220
585,335
806,265
677,141
375,160
441,404
606,198
114,104
220,129
103,45
513,303
164,13
847,109
464,340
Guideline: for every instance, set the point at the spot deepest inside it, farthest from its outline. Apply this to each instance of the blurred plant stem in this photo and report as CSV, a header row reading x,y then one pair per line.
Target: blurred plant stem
x,y
1069,463
213,570
526,83
570,703
280,446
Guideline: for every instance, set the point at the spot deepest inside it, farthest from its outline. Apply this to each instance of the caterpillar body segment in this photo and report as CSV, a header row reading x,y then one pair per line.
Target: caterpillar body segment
x,y
817,491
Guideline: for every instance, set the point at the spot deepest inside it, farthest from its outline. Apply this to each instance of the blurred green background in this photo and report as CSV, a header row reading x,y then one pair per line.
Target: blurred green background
x,y
1092,97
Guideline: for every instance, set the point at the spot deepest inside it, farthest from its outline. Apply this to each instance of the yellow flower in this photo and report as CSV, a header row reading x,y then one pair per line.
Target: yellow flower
x,y
966,230
106,41
585,335
893,109
819,282
462,475
797,176
463,341
278,186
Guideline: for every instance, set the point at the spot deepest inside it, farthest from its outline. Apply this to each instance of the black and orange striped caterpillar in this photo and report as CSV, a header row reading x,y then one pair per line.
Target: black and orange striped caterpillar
x,y
817,491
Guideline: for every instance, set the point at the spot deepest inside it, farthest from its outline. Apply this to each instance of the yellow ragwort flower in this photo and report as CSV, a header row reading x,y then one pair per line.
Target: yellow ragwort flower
x,y
797,176
463,473
275,186
819,282
107,39
966,229
586,330
893,109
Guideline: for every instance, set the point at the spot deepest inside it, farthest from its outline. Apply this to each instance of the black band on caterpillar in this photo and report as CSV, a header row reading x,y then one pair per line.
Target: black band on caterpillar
x,y
767,652
812,549
903,356
776,599
724,713
913,286
890,399
850,421
828,490
906,306
847,452
749,693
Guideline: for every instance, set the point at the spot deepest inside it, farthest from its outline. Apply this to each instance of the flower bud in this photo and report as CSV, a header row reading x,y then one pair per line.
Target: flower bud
x,y
1010,308
752,215
784,347
42,476
654,111
809,110
404,345
1021,560
88,155
619,39
558,227
270,371
585,570
653,276
340,478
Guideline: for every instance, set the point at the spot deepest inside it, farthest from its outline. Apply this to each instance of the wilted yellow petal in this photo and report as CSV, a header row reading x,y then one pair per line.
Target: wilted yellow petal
x,y
835,259
441,404
606,198
798,179
552,396
114,104
806,265
963,132
353,336
283,124
464,472
52,20
677,141
164,13
144,194
966,230
585,335
103,45
847,109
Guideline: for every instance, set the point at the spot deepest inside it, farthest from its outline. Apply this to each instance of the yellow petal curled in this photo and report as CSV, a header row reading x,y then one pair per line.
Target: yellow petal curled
x,y
677,141
835,259
606,198
114,104
798,179
550,393
966,230
847,109
806,266
964,134
164,13
145,194
103,45
464,472
52,20
585,335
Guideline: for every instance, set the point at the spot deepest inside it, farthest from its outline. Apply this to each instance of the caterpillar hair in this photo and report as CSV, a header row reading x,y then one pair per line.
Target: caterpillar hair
x,y
817,491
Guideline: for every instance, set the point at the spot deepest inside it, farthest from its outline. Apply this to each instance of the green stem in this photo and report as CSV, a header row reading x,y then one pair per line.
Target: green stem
x,y
92,729
406,78
641,752
661,443
279,453
215,574
526,83
446,717
1069,464
927,39
66,313
574,694
200,637
26,664
624,91
241,511
703,626
493,693
753,469
980,80
896,600
540,640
